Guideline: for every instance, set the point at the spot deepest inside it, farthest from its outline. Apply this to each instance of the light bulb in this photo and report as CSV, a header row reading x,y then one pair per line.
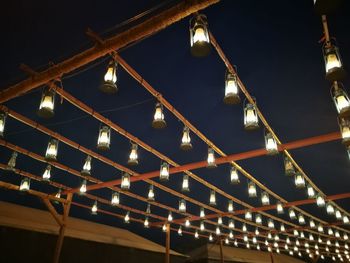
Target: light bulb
x,y
133,156
125,184
185,183
104,138
211,158
164,172
186,139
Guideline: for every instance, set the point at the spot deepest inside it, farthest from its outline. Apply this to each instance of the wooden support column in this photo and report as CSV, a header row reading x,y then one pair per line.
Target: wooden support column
x,y
59,242
221,252
167,244
271,256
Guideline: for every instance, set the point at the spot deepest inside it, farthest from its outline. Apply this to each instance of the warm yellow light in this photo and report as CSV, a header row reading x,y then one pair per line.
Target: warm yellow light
x,y
231,224
265,200
271,144
151,193
87,166
127,217
185,183
133,155
170,217
2,123
158,115
94,208
186,139
234,175
251,189
47,102
202,226
332,62
250,117
212,199
217,230
83,187
196,235
211,158
47,173
51,152
111,74
179,231
258,219
202,213
199,35
11,164
125,184
299,181
182,205
279,208
25,184
230,207
341,102
231,87
115,198
104,138
164,171
345,132
187,223
146,223
248,216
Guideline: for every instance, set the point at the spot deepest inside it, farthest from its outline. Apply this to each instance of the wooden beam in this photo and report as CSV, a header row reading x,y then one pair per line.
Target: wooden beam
x,y
167,244
146,28
53,211
221,252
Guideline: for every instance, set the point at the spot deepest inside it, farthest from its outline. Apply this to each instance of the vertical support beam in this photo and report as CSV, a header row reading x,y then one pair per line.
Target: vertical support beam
x,y
221,252
167,244
59,243
271,256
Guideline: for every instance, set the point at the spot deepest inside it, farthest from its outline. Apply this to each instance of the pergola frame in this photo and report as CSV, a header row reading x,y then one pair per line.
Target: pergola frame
x,y
109,46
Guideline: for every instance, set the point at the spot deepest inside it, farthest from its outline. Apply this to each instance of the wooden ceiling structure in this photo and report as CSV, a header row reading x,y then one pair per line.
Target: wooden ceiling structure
x,y
110,47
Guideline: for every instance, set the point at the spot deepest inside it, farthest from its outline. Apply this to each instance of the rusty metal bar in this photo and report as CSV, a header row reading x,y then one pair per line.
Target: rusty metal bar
x,y
135,33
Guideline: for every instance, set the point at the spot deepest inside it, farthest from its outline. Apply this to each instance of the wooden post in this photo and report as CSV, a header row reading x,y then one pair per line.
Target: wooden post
x,y
167,244
221,252
271,256
59,242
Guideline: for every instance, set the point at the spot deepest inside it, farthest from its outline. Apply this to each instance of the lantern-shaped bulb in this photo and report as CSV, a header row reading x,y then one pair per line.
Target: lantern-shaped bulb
x,y
251,120
217,230
230,206
115,198
333,63
301,219
127,217
82,188
51,151
265,199
196,235
252,189
270,223
330,209
164,172
185,183
179,231
244,228
58,194
146,222
210,237
258,219
310,191
148,209
202,226
150,195
47,104
282,228
94,208
187,223
2,123
231,224
109,84
292,214
248,215
344,125
104,138
11,164
212,198
320,228
219,220
200,43
186,139
201,212
320,201
170,217
133,157
125,184
288,166
345,219
158,118
299,180
270,144
279,208
87,166
230,235
231,89
182,205
256,232
341,100
25,184
47,173
234,175
211,158
312,224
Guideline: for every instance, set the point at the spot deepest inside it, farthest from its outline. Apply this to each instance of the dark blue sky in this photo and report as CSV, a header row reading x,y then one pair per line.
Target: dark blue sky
x,y
275,47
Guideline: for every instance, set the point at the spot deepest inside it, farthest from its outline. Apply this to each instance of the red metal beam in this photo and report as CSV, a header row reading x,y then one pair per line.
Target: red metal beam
x,y
233,157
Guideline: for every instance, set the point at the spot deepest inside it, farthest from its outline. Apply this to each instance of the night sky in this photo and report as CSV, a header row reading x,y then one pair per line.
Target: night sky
x,y
274,45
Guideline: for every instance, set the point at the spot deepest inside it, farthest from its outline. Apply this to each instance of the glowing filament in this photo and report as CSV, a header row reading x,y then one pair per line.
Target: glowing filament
x,y
111,74
199,35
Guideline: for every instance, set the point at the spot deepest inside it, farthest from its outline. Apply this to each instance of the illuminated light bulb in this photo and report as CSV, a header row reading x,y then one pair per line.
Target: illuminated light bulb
x,y
292,214
164,172
337,234
11,164
211,158
245,238
316,247
151,195
265,199
230,207
201,212
341,100
266,242
269,249
210,237
310,191
252,189
278,250
287,240
185,183
231,224
255,240
212,198
187,223
202,226
283,228
186,139
146,222
344,125
47,104
322,257
275,244
230,235
270,144
244,228
94,208
247,245
127,217
338,215
231,89
299,180
276,237
311,237
291,253
295,232
257,231
346,246
170,217
258,219
219,220
346,219
82,189
297,242
306,244
319,240
337,244
182,205
148,209
301,219
125,184
251,120
47,173
270,223
320,201
269,235
333,64
302,234
179,231
158,118
200,42
330,232
234,175
217,230
2,123
115,198
227,241
51,151
312,223
58,194
248,215
25,184
279,208
109,85
320,228
327,249
196,235
235,243
330,209
345,236
133,156
87,166
288,166
104,138
258,247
